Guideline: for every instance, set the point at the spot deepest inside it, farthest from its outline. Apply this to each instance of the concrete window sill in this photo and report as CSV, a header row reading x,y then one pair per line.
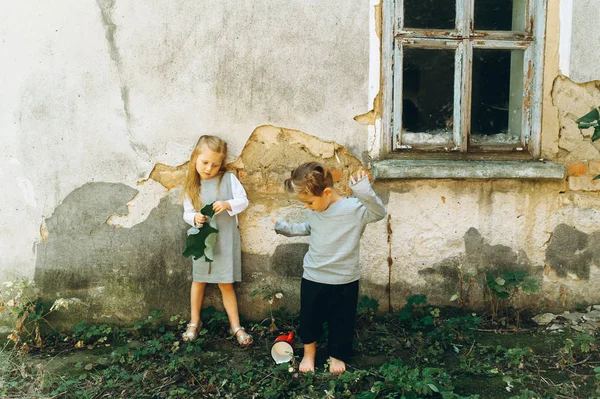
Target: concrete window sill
x,y
466,169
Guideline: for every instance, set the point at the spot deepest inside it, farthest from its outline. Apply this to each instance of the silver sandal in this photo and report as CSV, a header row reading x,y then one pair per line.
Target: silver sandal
x,y
191,331
243,337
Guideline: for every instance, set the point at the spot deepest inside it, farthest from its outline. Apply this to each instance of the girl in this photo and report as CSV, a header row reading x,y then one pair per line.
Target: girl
x,y
207,182
329,288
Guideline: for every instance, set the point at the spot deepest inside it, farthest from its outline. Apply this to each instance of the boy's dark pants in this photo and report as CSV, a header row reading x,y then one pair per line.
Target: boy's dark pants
x,y
335,304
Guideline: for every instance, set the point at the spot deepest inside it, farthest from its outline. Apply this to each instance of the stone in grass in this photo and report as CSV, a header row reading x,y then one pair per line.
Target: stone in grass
x,y
543,319
574,317
556,327
593,315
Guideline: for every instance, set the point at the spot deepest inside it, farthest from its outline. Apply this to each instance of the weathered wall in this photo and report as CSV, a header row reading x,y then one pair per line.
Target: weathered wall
x,y
102,103
584,59
103,91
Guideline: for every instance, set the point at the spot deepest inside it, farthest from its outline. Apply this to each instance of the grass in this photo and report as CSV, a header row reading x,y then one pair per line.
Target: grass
x,y
424,353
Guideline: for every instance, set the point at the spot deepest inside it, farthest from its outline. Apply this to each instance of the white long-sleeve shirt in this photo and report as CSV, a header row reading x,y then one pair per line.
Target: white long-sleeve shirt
x,y
238,203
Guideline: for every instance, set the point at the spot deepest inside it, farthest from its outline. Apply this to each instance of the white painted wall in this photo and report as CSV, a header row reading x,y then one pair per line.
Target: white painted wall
x,y
102,91
579,38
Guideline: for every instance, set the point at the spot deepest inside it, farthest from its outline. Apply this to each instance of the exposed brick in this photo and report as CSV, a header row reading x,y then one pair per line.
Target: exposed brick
x,y
577,169
583,183
336,174
578,183
594,168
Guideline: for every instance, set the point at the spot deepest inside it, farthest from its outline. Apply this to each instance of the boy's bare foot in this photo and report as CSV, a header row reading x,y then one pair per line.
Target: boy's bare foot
x,y
336,366
307,364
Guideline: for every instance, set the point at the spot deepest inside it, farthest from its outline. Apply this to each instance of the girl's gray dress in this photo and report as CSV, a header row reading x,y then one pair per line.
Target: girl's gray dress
x,y
226,266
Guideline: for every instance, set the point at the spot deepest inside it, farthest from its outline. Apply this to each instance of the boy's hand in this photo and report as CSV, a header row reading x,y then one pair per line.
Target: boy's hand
x,y
273,221
220,206
359,175
199,219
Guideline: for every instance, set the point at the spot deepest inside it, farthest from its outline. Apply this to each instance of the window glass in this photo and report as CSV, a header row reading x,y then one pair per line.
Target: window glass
x,y
502,15
428,96
497,96
430,14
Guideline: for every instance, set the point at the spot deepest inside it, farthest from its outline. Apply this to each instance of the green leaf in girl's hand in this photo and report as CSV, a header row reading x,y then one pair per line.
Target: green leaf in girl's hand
x,y
208,210
199,244
210,242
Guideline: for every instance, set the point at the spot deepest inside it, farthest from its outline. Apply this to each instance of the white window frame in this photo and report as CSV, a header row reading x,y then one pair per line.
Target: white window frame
x,y
463,39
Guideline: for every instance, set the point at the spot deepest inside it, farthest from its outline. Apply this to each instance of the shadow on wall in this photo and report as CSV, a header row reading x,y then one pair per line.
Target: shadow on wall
x,y
479,258
120,273
124,273
572,252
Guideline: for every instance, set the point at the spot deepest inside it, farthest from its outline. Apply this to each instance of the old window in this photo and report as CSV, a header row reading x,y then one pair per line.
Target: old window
x,y
463,76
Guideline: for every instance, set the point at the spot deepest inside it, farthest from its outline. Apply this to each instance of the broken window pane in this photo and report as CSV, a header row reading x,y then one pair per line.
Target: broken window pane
x,y
427,96
430,14
503,15
497,97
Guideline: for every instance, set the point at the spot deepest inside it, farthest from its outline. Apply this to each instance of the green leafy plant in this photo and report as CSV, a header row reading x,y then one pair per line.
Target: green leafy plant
x,y
576,347
400,380
202,242
269,296
417,313
502,288
366,310
149,360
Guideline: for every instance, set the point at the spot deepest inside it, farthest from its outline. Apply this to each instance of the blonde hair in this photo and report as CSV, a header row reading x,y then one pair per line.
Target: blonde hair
x,y
192,181
310,178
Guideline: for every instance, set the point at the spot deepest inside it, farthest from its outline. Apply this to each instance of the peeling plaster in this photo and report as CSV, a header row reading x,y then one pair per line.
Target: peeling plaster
x,y
573,100
372,118
44,231
271,153
149,195
169,176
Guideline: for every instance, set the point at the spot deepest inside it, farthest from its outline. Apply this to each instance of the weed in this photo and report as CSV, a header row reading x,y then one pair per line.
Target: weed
x,y
501,290
466,281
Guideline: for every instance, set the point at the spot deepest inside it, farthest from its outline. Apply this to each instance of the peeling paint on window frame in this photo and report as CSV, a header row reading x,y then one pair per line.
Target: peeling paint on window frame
x,y
464,39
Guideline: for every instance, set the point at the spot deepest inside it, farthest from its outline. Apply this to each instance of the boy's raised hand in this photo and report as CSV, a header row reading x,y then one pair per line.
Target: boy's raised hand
x,y
359,175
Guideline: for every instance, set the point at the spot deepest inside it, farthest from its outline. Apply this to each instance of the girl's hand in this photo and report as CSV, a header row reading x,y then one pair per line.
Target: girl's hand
x,y
220,206
199,219
273,221
359,175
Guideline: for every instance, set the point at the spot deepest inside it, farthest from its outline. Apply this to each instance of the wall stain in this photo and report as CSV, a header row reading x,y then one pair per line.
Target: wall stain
x,y
479,258
110,28
571,251
122,274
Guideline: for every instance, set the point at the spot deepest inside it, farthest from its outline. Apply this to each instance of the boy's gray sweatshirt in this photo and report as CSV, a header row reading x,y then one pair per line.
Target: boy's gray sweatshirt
x,y
333,251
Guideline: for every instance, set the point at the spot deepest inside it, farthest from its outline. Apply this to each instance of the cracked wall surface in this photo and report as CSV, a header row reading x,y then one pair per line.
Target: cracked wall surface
x,y
103,102
105,91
